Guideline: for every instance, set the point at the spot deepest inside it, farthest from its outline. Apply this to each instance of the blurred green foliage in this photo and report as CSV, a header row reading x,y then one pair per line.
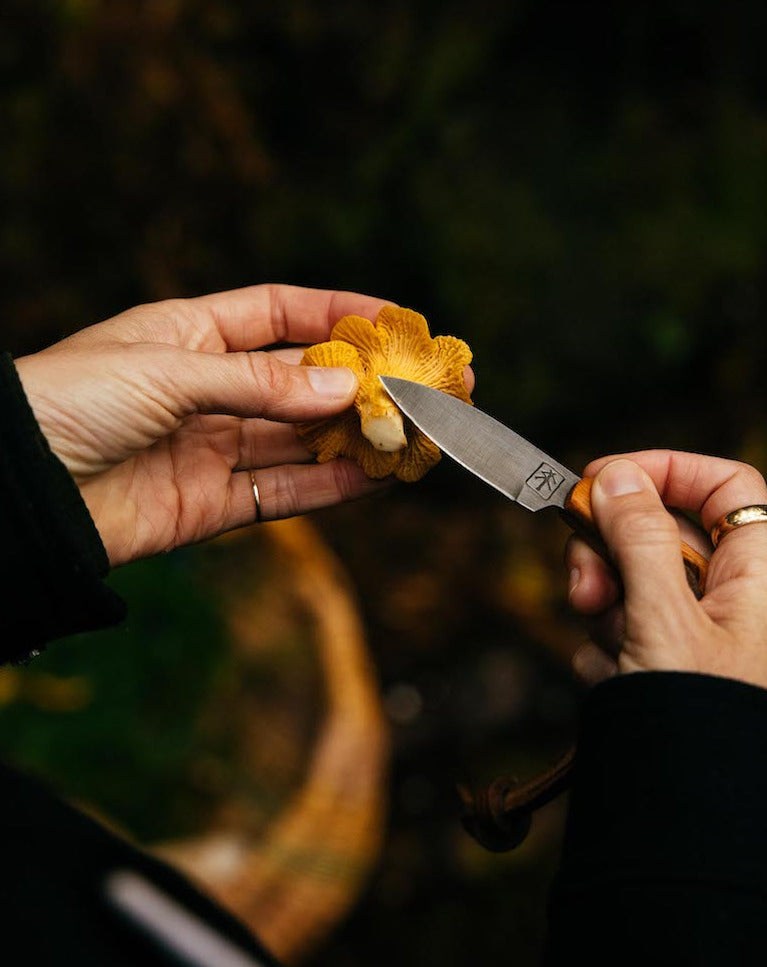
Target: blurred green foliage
x,y
578,190
137,693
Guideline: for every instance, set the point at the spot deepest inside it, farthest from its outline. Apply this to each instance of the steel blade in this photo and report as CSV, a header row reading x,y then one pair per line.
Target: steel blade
x,y
490,450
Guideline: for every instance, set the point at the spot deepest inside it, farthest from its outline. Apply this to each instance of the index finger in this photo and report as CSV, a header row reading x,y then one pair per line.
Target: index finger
x,y
711,486
260,315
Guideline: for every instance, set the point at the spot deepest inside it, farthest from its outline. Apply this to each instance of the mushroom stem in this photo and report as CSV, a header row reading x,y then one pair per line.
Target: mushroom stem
x,y
384,430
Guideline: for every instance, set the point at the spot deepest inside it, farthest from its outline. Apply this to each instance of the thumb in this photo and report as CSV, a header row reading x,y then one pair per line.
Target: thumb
x,y
642,537
257,384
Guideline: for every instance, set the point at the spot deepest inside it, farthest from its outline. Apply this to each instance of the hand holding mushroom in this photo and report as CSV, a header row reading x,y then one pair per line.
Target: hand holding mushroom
x,y
161,413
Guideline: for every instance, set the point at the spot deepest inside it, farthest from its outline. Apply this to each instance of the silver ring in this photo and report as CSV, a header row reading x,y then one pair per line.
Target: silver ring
x,y
257,496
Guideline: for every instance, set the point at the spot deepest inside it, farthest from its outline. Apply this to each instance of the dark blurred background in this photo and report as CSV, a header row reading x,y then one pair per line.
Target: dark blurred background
x,y
577,190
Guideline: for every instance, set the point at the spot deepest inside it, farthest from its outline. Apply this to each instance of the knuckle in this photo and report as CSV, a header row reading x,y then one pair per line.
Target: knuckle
x,y
579,554
345,479
286,495
166,369
751,476
269,374
171,314
170,308
278,310
640,526
570,554
176,320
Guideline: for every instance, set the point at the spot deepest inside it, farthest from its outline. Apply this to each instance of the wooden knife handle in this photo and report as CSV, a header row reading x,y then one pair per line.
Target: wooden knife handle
x,y
579,516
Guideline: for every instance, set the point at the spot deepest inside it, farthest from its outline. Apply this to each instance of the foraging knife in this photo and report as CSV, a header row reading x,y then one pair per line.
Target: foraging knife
x,y
506,461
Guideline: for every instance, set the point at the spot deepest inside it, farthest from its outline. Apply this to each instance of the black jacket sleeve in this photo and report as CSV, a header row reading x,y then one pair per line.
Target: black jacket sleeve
x,y
56,903
57,863
665,854
52,560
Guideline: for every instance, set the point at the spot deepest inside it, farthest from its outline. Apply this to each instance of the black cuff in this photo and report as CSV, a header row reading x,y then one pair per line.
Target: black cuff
x,y
51,555
667,821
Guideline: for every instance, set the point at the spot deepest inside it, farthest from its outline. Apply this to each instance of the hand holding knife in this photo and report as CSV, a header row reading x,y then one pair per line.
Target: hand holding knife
x,y
499,816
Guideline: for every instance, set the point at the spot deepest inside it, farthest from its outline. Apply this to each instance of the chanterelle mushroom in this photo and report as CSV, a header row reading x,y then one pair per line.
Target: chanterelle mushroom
x,y
373,432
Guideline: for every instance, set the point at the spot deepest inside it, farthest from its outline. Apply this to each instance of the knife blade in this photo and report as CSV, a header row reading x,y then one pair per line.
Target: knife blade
x,y
514,466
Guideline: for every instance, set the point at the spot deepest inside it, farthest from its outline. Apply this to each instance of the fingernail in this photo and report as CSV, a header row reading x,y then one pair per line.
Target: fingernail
x,y
620,478
575,577
335,382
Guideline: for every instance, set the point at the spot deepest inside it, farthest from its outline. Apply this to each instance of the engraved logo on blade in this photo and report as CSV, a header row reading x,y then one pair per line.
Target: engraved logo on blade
x,y
545,481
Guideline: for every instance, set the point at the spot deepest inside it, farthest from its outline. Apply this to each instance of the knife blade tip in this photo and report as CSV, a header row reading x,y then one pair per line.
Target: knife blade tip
x,y
388,383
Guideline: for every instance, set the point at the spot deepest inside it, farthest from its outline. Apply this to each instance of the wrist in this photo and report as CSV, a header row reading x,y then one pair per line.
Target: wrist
x,y
50,539
719,657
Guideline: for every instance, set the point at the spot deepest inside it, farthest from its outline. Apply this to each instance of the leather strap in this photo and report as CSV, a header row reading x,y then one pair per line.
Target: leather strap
x,y
499,816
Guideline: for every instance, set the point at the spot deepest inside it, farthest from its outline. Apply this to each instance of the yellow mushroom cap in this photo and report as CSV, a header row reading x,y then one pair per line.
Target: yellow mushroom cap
x,y
373,432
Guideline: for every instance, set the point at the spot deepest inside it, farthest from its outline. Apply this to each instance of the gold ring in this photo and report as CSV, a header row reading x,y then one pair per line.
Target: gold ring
x,y
257,496
753,514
